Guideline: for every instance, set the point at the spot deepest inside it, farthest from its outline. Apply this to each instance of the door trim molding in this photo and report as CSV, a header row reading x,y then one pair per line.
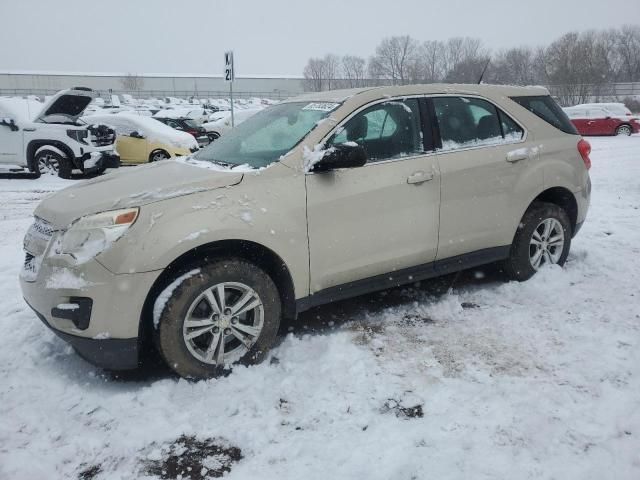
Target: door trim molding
x,y
402,277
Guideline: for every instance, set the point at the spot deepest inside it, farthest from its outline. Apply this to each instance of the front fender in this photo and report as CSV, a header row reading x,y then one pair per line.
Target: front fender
x,y
266,208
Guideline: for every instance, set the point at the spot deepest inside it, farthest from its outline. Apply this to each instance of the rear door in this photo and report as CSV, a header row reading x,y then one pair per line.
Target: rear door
x,y
382,217
599,122
483,153
579,118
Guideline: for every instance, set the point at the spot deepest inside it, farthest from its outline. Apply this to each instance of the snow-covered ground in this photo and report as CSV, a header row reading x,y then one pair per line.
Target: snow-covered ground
x,y
464,377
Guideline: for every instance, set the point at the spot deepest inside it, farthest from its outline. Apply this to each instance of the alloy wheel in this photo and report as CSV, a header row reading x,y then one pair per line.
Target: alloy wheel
x,y
223,323
48,163
623,130
547,243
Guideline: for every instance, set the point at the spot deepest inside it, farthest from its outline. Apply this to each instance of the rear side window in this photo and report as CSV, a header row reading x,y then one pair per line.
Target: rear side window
x,y
548,110
466,122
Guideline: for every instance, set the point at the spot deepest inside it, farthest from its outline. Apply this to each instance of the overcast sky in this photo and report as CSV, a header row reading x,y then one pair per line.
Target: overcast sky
x,y
268,36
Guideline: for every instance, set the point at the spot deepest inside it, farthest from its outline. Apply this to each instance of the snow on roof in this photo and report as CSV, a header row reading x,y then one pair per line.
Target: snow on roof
x,y
21,108
150,127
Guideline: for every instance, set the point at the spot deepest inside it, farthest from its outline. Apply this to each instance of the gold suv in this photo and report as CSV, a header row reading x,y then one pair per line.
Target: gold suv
x,y
320,198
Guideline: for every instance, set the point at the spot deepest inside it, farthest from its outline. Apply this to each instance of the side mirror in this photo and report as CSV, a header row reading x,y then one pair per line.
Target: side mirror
x,y
136,134
11,123
346,155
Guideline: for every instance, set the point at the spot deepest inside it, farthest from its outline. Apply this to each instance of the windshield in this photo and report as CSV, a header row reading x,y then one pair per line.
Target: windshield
x,y
264,137
190,123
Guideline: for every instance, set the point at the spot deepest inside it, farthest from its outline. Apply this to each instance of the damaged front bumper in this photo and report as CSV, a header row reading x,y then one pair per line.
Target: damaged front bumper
x,y
95,310
90,162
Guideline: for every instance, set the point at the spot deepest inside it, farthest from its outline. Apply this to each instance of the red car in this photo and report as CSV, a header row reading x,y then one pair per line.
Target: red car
x,y
600,121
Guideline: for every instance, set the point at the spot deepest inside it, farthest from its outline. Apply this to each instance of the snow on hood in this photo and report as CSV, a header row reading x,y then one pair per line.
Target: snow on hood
x,y
69,103
132,187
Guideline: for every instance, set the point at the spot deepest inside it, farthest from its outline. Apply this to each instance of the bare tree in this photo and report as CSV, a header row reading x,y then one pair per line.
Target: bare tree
x,y
314,78
515,66
393,59
353,69
577,65
432,54
331,70
132,82
628,48
322,73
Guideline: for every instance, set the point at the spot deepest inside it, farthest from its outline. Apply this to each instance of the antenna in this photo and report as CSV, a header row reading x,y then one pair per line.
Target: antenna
x,y
484,70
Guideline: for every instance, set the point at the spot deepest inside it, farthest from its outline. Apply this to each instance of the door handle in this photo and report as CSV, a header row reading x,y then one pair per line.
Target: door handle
x,y
517,155
419,177
29,129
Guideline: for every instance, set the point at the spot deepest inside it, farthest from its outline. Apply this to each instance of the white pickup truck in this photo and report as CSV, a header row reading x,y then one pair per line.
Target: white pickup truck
x,y
49,139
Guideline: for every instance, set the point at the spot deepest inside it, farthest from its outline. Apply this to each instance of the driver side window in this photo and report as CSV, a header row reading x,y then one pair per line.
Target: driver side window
x,y
386,130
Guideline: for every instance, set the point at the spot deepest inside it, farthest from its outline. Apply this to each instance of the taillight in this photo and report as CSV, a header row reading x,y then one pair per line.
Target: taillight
x,y
585,149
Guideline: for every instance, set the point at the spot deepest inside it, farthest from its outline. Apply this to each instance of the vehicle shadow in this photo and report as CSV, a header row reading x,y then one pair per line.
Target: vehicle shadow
x,y
329,317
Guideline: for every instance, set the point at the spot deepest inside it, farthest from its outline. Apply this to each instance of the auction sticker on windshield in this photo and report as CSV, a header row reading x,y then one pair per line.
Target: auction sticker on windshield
x,y
322,106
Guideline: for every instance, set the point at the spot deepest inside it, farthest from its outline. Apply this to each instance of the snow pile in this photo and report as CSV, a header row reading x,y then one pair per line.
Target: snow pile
x,y
218,167
165,295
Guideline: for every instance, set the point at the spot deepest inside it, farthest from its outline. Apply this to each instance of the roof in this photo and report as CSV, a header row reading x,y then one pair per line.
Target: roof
x,y
426,89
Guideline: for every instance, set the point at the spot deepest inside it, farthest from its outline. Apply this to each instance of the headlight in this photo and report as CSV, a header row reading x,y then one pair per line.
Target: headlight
x,y
91,235
78,135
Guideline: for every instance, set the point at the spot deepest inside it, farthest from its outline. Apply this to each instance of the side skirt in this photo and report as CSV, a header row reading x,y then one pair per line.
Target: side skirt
x,y
402,277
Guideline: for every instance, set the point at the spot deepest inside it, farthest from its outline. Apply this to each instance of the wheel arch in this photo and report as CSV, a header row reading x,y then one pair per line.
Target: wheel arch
x,y
35,145
256,253
156,150
623,124
563,198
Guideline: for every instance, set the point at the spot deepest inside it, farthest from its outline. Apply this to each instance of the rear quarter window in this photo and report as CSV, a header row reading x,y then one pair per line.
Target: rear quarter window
x,y
548,110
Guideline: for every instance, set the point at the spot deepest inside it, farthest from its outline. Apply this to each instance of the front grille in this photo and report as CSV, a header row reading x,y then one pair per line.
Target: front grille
x,y
28,259
43,228
101,135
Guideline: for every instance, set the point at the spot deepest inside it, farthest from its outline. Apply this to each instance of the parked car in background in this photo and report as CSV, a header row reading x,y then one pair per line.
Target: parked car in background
x,y
197,114
596,120
186,125
47,138
143,139
618,109
222,121
289,212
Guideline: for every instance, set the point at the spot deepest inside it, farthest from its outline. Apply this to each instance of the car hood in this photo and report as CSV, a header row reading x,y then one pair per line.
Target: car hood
x,y
71,103
132,187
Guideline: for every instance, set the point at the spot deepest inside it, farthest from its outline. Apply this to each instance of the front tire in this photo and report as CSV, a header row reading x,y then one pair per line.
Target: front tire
x,y
224,313
543,237
158,155
624,130
52,163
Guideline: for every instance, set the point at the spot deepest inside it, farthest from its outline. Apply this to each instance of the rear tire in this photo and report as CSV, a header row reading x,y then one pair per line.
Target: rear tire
x,y
193,324
543,237
624,130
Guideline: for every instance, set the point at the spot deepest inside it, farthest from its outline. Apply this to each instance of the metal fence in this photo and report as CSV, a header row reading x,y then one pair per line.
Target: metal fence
x,y
565,94
146,94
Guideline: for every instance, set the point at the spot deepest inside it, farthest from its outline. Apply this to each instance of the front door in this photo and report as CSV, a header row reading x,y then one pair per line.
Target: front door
x,y
11,143
382,217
